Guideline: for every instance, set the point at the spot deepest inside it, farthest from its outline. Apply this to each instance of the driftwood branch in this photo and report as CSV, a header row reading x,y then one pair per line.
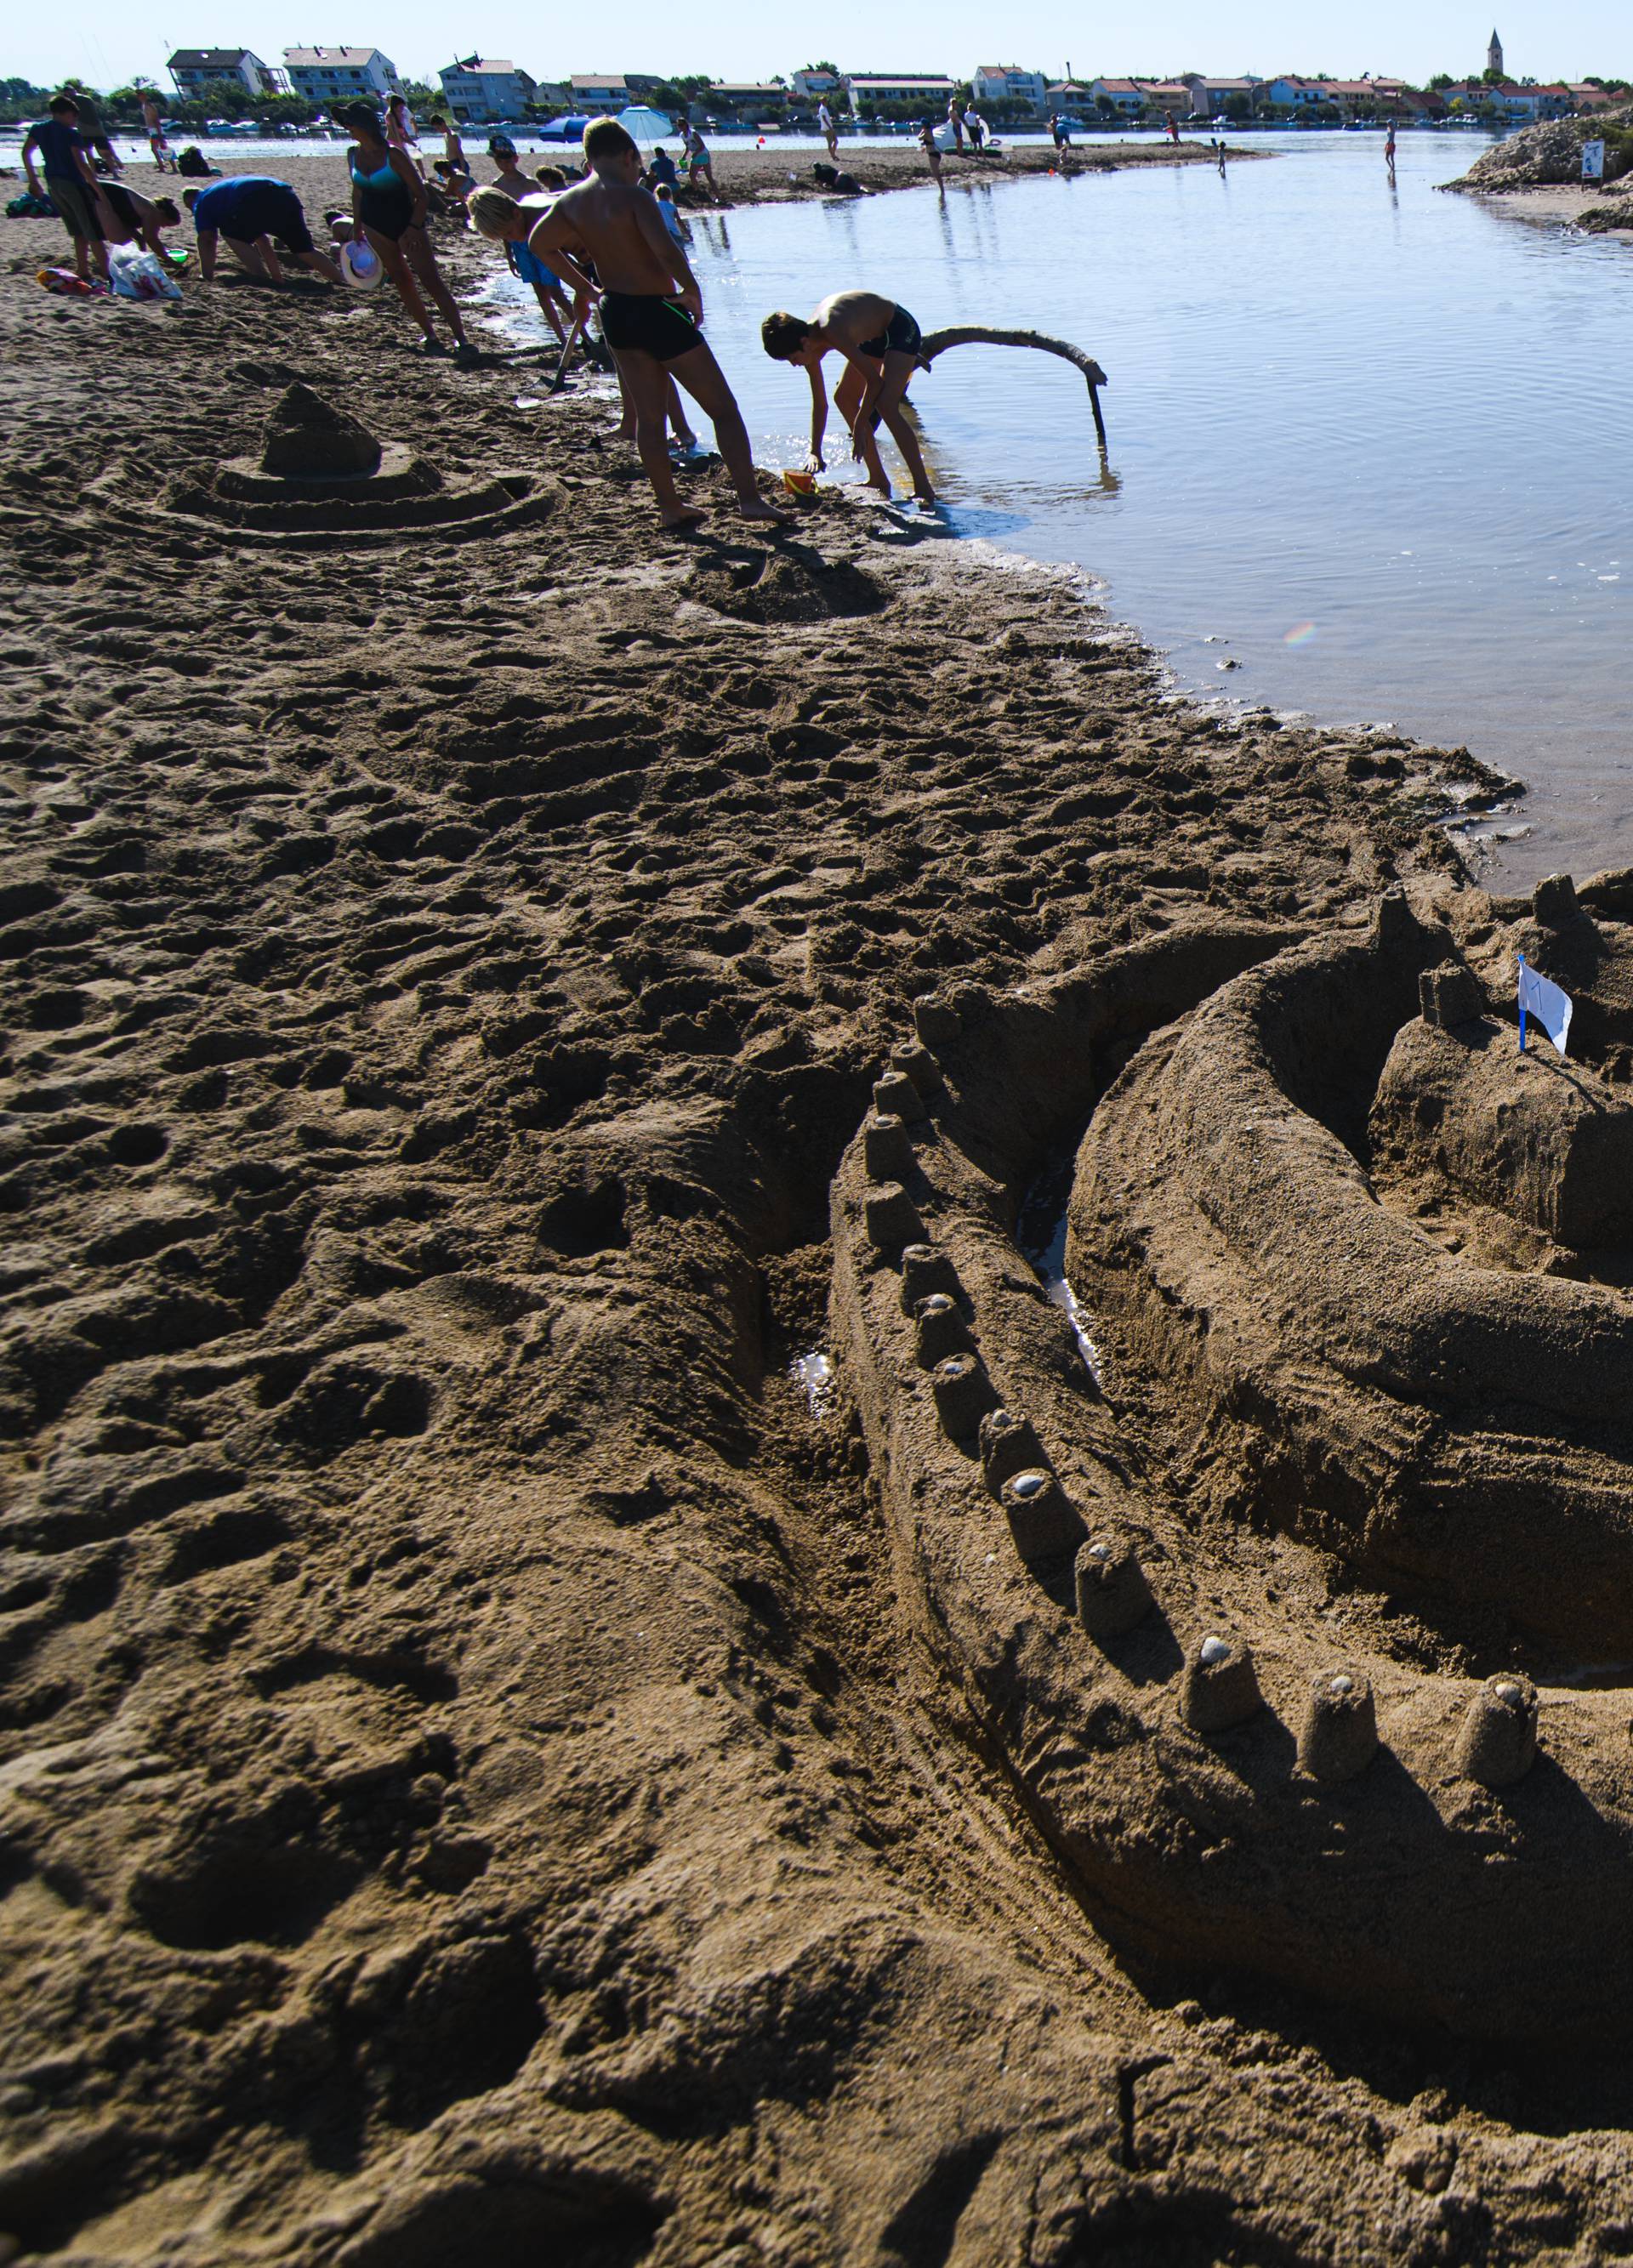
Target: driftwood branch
x,y
975,334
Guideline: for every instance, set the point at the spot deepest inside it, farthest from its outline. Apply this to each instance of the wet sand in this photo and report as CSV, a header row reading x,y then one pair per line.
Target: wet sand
x,y
478,1776
1574,207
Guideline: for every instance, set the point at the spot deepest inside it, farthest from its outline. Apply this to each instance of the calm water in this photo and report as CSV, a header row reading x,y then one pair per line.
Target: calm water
x,y
1378,443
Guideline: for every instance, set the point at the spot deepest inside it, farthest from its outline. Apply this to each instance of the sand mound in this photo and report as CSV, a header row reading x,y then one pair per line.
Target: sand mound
x,y
1550,154
307,438
792,585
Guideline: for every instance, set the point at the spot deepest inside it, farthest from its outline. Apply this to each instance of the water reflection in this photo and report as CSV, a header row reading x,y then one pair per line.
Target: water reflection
x,y
1376,444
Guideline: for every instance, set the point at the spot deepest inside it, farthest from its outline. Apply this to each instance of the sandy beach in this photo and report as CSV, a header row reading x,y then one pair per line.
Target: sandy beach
x,y
481,1775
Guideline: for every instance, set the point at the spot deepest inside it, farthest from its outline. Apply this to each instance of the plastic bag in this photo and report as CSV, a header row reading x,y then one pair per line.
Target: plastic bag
x,y
134,274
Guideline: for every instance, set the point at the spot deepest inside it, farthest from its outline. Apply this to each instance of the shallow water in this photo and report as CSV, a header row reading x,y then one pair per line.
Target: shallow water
x,y
1374,442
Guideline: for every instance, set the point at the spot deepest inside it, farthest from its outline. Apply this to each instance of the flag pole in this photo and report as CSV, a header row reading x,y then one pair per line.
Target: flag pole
x,y
1522,1003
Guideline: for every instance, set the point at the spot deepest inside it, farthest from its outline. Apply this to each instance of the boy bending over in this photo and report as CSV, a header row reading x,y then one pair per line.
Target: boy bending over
x,y
879,343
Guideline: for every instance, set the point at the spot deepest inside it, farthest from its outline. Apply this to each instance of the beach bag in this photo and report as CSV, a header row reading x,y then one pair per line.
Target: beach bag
x,y
134,274
29,207
192,161
65,281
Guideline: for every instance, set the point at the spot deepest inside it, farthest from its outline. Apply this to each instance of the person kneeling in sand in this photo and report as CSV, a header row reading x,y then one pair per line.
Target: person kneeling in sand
x,y
651,308
248,210
879,343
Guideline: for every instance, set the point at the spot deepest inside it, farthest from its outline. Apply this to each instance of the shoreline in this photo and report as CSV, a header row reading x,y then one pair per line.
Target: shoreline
x,y
762,177
1569,206
464,1703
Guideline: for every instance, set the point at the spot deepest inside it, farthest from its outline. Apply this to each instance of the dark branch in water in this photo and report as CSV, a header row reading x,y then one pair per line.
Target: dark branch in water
x,y
977,334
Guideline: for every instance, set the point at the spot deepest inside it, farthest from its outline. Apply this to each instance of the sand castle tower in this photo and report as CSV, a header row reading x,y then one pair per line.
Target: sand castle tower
x,y
1494,56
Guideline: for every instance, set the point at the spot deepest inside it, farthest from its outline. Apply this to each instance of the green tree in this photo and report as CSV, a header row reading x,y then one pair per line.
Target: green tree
x,y
1440,82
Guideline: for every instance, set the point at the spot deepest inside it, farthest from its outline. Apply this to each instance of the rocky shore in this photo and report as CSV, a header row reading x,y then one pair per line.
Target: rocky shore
x,y
479,1773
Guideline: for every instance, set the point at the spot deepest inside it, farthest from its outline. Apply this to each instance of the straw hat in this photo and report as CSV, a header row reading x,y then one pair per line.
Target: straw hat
x,y
361,265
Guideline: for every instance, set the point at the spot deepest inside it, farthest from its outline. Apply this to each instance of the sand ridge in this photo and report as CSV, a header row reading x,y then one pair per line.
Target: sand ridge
x,y
477,1779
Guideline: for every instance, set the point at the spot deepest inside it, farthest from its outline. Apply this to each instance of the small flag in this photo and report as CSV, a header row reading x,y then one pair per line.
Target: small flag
x,y
1547,1003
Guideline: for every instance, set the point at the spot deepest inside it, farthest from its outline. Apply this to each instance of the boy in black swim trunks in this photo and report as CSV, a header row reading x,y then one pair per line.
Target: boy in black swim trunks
x,y
650,309
880,343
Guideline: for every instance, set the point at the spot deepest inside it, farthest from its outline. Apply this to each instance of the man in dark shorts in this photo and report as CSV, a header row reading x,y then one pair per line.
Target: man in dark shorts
x,y
69,182
880,343
650,309
248,210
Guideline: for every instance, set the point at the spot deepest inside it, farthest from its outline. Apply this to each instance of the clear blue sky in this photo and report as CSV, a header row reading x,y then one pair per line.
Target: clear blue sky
x,y
107,41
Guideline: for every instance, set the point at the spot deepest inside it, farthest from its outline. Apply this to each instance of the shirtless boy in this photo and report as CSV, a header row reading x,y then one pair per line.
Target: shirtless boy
x,y
879,343
651,308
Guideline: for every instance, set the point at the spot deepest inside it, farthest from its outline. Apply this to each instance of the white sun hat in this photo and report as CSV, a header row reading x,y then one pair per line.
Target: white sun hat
x,y
361,265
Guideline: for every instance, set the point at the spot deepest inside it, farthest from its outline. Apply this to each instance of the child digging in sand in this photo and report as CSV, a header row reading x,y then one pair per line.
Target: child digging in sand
x,y
651,308
879,343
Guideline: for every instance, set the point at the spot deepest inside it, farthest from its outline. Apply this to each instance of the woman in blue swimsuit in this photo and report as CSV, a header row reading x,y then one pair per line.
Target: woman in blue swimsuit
x,y
388,206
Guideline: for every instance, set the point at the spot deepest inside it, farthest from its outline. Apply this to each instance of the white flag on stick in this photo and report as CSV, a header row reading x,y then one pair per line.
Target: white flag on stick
x,y
1547,1003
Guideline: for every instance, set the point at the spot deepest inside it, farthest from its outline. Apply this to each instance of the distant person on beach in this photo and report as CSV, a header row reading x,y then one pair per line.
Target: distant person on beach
x,y
880,343
660,173
679,227
955,118
1389,147
248,211
390,206
975,126
152,119
96,135
401,134
453,158
927,144
829,131
651,308
700,163
69,182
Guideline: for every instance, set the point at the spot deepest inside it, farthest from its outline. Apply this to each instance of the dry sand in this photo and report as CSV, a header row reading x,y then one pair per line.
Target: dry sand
x,y
480,1779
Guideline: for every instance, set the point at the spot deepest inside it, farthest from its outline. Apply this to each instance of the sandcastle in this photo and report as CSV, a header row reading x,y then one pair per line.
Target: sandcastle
x,y
1306,1624
320,473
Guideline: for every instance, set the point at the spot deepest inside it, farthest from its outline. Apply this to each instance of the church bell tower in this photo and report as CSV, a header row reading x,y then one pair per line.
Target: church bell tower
x,y
1494,56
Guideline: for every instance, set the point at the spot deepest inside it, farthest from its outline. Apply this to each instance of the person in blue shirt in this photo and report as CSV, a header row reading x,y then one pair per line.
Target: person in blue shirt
x,y
661,172
248,210
69,182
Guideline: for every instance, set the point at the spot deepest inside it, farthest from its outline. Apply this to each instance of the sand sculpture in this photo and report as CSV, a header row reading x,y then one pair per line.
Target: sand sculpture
x,y
1303,1609
319,474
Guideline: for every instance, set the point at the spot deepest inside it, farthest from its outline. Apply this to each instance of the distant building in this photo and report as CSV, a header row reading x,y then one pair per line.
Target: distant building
x,y
925,90
483,89
1494,56
1584,99
749,97
330,75
1519,106
194,68
1210,96
1292,93
811,85
1006,82
599,90
1126,96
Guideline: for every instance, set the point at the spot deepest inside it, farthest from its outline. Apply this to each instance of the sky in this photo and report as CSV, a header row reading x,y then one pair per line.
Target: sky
x,y
108,41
